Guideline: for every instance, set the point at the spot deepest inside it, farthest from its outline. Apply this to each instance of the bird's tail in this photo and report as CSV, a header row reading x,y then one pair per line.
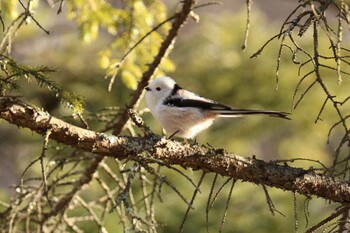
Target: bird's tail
x,y
245,112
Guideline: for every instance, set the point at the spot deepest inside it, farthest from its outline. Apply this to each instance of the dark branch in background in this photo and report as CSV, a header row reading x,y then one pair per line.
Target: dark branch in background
x,y
306,182
180,19
2,22
325,221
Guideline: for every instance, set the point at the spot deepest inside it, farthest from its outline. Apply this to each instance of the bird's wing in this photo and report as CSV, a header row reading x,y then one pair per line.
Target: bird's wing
x,y
205,105
184,98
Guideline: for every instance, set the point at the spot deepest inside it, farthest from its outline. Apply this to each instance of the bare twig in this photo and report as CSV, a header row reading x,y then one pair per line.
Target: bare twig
x,y
296,225
208,206
269,201
227,204
246,34
192,200
121,61
28,13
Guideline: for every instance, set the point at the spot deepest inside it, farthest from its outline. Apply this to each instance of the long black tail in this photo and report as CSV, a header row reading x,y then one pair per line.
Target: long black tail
x,y
245,112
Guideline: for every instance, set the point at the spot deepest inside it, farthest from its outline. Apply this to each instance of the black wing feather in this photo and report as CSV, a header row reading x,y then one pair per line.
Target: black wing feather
x,y
206,104
180,102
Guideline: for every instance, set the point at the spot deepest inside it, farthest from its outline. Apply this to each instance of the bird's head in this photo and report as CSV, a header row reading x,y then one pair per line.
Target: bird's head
x,y
158,90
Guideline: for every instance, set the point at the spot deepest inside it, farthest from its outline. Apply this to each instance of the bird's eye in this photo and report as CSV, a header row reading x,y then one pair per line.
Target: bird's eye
x,y
158,88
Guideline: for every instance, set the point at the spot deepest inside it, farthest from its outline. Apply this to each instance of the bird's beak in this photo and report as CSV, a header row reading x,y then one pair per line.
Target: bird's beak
x,y
147,88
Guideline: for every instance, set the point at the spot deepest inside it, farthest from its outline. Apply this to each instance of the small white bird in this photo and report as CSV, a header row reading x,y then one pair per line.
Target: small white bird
x,y
185,114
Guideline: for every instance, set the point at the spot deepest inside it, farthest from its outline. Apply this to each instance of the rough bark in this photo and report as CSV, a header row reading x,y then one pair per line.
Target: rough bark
x,y
152,148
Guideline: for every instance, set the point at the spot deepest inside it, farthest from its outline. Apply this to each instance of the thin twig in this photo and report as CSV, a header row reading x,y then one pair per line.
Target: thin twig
x,y
208,202
28,13
137,43
269,201
192,201
296,225
247,27
227,204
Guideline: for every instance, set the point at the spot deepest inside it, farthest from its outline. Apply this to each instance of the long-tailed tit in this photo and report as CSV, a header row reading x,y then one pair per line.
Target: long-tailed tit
x,y
184,113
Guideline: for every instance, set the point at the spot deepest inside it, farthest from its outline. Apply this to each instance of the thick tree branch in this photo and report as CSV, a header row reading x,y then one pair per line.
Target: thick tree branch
x,y
219,161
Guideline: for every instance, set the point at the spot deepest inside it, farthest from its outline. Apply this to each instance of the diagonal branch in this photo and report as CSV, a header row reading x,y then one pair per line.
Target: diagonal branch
x,y
218,161
180,19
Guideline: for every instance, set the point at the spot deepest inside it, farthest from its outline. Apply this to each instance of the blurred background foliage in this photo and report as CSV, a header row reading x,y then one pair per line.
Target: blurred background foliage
x,y
86,46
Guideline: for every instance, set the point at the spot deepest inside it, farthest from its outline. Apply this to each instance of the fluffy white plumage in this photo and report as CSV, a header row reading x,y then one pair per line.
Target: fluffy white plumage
x,y
186,114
